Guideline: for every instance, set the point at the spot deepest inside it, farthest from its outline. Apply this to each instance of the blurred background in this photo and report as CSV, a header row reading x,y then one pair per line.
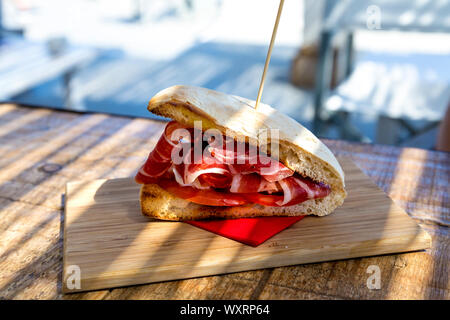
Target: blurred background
x,y
372,71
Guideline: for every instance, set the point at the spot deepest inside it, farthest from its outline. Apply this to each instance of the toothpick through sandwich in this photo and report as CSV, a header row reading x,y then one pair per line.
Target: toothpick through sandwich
x,y
305,179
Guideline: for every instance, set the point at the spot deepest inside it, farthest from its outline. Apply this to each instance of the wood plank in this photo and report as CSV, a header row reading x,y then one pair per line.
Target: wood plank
x,y
114,245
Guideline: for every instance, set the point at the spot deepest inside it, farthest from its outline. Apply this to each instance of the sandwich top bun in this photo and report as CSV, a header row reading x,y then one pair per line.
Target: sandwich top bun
x,y
236,117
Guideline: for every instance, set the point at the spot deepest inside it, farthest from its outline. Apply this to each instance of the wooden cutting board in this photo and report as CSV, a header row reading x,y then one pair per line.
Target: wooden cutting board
x,y
111,244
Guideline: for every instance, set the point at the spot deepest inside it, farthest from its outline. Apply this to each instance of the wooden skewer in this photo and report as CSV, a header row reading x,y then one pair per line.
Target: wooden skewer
x,y
269,53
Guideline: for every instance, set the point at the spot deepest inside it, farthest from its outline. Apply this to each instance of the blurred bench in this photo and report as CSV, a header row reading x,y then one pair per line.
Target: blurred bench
x,y
344,18
24,65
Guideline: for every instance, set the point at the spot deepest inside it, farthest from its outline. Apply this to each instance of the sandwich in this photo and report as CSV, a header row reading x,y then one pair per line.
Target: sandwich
x,y
220,157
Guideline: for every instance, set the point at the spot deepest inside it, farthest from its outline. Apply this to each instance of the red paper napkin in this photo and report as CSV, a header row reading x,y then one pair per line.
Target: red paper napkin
x,y
250,231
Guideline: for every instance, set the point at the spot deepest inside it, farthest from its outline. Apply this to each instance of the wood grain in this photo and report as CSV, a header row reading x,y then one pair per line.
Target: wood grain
x,y
31,214
114,245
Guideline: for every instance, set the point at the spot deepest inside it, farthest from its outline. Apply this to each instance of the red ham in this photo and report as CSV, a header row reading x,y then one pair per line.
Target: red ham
x,y
160,159
252,182
251,162
294,190
209,171
224,177
209,197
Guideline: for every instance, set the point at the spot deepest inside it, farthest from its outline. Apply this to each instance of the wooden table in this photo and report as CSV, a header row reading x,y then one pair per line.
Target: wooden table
x,y
42,149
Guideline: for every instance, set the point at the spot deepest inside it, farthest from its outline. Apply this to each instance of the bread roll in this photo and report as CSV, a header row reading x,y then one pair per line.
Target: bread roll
x,y
236,117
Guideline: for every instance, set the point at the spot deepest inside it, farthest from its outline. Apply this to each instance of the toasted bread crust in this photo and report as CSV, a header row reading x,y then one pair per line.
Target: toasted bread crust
x,y
160,204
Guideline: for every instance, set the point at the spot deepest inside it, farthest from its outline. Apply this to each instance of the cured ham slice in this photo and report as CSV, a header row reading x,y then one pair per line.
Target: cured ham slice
x,y
210,171
252,182
224,177
243,161
297,190
209,197
272,171
160,158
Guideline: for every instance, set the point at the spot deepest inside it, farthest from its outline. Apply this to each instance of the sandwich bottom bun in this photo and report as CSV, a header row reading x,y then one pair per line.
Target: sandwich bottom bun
x,y
160,204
